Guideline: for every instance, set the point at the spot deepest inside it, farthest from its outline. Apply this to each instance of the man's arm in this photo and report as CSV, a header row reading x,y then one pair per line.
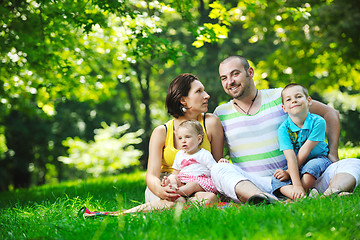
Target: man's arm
x,y
332,119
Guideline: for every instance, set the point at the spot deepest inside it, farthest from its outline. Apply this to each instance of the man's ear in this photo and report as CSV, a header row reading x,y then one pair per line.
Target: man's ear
x,y
283,108
251,72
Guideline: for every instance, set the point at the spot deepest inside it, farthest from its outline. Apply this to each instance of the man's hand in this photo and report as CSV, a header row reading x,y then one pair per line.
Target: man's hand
x,y
333,156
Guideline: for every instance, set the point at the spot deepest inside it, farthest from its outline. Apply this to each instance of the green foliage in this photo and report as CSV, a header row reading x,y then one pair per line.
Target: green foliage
x,y
68,65
349,152
50,212
112,150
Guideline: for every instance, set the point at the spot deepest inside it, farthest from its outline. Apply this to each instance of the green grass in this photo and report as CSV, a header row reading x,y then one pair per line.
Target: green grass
x,y
49,212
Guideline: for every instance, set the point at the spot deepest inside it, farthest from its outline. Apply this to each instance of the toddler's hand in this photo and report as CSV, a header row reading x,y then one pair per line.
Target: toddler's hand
x,y
165,181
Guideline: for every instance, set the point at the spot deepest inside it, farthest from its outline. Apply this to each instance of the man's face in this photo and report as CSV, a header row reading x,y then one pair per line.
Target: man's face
x,y
235,79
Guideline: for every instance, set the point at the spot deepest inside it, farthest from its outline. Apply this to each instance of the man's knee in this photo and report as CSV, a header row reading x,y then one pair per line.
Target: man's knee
x,y
343,181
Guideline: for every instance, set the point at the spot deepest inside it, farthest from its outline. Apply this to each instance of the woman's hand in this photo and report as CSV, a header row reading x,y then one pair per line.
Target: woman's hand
x,y
168,193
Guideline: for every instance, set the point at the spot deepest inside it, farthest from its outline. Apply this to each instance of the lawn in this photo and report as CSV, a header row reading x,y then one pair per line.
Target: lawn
x,y
50,212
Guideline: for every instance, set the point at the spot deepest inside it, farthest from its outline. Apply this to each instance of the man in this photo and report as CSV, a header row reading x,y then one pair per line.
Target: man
x,y
250,121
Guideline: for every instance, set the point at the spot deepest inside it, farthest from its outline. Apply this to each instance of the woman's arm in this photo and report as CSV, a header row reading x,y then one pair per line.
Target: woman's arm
x,y
332,119
215,134
156,145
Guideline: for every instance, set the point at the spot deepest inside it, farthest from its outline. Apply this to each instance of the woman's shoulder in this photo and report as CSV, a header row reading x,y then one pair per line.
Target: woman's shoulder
x,y
161,128
159,132
211,119
213,126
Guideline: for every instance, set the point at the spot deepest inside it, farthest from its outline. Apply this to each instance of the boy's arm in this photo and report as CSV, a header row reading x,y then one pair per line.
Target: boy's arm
x,y
293,170
305,150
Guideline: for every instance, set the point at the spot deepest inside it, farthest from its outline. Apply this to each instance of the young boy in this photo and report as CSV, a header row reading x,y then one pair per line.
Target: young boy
x,y
302,140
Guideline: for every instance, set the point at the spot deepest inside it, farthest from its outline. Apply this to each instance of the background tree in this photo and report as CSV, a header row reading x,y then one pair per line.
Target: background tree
x,y
66,66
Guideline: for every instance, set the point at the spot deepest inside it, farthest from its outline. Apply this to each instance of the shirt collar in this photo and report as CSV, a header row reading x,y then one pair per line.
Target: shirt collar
x,y
306,125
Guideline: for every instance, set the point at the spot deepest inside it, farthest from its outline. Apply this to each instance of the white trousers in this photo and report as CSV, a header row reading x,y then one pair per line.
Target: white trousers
x,y
225,176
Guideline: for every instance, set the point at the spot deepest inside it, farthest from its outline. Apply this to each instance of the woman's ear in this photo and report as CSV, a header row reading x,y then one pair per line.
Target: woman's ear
x,y
183,101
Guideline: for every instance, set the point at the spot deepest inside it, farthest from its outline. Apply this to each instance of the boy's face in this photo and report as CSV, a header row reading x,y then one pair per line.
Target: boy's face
x,y
294,101
188,140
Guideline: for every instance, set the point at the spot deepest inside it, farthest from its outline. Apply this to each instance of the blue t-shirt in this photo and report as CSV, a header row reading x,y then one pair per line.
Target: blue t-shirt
x,y
293,137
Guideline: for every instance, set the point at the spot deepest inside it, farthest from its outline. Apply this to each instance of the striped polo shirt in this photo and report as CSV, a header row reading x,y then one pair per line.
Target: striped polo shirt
x,y
253,140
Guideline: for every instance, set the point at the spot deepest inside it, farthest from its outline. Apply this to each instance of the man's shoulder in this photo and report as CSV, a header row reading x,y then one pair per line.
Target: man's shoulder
x,y
222,108
272,92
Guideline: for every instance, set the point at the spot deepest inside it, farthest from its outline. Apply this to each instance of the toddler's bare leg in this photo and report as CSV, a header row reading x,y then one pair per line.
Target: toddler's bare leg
x,y
189,188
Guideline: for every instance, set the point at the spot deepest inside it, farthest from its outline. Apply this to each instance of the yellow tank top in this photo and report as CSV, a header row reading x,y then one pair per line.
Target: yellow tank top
x,y
169,149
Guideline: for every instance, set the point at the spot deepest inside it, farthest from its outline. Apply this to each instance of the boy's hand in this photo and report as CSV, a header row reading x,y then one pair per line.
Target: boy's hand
x,y
282,175
223,160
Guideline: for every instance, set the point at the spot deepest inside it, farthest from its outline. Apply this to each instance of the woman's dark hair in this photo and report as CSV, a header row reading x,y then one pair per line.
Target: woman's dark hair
x,y
178,88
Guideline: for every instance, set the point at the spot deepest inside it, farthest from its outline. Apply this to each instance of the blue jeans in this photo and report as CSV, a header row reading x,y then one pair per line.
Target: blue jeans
x,y
314,167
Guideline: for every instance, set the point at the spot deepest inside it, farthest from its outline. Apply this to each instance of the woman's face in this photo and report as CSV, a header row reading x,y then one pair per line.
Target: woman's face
x,y
197,99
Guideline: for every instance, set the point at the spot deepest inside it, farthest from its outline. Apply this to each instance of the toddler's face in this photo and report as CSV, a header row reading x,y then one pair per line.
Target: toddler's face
x,y
188,140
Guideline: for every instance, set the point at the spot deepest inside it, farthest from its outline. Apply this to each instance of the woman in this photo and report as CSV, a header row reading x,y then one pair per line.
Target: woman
x,y
186,100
